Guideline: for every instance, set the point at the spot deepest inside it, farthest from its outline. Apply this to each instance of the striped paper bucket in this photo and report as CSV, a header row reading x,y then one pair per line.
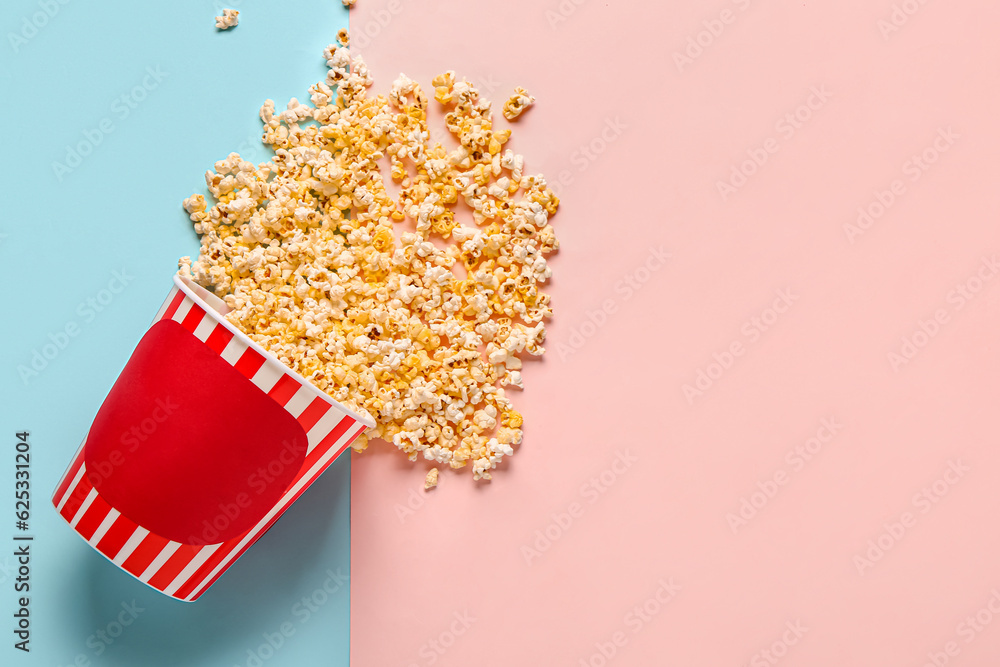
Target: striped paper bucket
x,y
203,442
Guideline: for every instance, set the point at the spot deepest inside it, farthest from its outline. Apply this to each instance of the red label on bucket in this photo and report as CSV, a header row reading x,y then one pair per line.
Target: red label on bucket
x,y
186,446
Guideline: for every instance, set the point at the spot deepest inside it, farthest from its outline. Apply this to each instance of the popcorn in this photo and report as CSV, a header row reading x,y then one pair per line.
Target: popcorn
x,y
230,18
517,104
416,309
431,480
349,3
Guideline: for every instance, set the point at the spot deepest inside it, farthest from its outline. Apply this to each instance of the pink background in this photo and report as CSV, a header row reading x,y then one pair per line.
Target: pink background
x,y
654,184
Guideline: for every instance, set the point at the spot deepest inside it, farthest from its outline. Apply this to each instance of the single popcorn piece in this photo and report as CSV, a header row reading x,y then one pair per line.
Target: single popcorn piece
x,y
417,309
431,480
230,18
184,267
349,3
517,104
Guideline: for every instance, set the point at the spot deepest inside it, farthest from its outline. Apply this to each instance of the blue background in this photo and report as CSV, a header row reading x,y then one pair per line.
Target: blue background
x,y
120,210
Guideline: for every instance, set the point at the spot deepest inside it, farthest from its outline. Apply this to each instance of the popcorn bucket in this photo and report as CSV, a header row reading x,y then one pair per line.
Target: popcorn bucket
x,y
203,442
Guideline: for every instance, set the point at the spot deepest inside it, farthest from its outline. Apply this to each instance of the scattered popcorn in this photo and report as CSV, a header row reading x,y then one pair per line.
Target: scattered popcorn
x,y
229,19
394,306
431,480
517,104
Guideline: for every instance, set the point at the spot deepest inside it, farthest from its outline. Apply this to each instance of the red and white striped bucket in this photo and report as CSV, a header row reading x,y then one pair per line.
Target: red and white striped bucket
x,y
201,445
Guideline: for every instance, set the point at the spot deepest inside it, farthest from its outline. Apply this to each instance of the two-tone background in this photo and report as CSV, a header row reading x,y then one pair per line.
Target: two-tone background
x,y
764,432
114,111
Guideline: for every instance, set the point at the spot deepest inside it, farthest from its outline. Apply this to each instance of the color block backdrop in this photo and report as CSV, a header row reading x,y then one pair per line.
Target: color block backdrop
x,y
114,111
764,432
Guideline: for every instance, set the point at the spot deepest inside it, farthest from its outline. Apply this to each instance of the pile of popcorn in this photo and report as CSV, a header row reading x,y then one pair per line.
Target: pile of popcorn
x,y
389,304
